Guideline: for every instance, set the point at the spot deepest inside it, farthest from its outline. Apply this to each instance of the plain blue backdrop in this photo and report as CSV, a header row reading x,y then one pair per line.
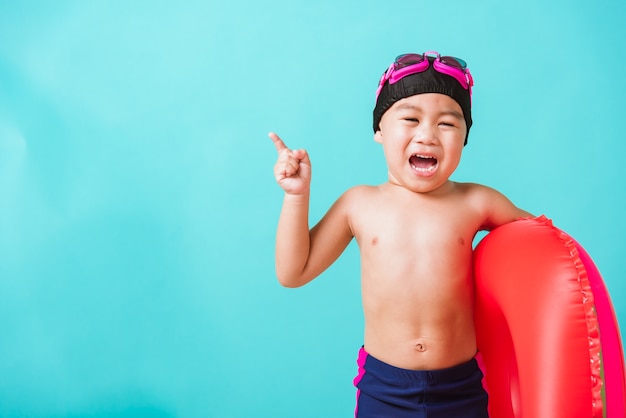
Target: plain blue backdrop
x,y
138,206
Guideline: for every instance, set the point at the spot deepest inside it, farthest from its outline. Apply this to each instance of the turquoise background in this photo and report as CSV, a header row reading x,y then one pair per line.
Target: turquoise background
x,y
138,205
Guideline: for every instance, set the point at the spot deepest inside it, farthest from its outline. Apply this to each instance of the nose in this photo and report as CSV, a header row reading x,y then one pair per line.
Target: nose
x,y
425,134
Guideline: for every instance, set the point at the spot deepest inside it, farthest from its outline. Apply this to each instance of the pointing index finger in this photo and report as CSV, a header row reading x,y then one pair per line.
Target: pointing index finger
x,y
278,143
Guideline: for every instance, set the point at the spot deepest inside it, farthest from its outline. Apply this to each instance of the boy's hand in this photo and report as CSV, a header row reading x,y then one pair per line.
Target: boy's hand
x,y
293,168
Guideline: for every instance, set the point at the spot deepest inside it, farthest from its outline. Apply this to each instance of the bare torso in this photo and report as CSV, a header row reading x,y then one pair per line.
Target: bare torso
x,y
416,261
415,234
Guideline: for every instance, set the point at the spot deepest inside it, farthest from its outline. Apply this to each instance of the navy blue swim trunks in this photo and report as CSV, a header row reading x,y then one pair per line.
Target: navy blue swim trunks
x,y
385,391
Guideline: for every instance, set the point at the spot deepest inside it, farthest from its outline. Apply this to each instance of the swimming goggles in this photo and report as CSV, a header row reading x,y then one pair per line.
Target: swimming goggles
x,y
408,64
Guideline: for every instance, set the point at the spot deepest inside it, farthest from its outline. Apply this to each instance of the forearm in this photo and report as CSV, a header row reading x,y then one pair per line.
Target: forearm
x,y
293,240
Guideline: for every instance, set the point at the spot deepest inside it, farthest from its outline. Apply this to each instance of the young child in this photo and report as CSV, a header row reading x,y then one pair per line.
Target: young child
x,y
415,235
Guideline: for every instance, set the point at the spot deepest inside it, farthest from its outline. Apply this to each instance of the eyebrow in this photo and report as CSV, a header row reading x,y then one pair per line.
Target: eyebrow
x,y
450,112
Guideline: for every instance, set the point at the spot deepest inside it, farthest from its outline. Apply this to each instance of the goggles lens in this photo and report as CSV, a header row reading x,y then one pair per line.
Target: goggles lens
x,y
454,62
408,59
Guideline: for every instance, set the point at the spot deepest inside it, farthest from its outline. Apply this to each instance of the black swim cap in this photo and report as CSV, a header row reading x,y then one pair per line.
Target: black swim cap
x,y
429,81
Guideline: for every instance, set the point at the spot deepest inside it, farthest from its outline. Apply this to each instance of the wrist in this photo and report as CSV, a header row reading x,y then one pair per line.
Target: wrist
x,y
297,198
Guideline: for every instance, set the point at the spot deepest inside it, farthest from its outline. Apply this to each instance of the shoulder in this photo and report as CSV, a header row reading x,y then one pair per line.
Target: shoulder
x,y
478,193
357,198
361,192
494,207
347,208
474,188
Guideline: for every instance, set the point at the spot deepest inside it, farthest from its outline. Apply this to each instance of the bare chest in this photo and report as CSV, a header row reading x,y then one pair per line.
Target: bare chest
x,y
415,227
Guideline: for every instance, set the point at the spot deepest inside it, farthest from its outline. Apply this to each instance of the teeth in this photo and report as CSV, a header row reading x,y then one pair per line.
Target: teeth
x,y
424,169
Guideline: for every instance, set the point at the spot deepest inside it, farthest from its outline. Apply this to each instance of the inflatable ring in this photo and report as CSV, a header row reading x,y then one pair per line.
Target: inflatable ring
x,y
548,339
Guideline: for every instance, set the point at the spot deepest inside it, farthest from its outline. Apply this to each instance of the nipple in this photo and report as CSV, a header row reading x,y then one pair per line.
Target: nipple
x,y
420,347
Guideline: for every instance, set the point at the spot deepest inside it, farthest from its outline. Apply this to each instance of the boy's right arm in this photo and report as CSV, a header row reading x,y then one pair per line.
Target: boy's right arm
x,y
301,254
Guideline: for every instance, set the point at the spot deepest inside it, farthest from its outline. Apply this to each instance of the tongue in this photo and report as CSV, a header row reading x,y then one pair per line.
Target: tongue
x,y
420,162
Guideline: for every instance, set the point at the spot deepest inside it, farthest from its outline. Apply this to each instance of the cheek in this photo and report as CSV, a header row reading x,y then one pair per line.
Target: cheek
x,y
453,150
394,145
394,154
454,157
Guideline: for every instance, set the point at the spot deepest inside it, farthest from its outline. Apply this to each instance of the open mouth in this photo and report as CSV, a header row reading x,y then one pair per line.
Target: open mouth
x,y
423,163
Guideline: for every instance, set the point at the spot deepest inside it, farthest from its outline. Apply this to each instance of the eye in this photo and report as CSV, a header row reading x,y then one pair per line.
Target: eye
x,y
410,119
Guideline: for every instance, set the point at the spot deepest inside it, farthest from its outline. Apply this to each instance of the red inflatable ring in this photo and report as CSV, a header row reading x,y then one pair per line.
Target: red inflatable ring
x,y
547,333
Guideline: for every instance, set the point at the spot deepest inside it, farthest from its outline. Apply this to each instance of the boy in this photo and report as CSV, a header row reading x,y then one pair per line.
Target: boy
x,y
415,235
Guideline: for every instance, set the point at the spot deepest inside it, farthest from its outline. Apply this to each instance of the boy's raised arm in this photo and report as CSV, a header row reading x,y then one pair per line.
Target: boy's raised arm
x,y
301,253
293,174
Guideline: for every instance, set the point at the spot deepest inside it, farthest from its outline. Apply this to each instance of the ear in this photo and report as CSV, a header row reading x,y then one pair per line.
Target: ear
x,y
378,137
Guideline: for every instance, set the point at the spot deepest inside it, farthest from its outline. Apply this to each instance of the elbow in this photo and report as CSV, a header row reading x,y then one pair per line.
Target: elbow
x,y
288,284
290,281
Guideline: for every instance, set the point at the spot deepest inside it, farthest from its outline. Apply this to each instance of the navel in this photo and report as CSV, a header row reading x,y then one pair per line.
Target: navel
x,y
421,347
